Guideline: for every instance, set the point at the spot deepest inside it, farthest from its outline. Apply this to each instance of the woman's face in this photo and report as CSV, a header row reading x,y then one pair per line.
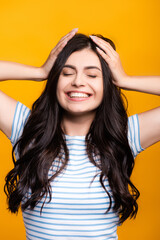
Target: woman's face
x,y
80,85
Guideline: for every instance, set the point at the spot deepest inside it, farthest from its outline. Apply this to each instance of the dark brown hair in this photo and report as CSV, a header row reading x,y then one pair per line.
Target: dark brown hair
x,y
107,136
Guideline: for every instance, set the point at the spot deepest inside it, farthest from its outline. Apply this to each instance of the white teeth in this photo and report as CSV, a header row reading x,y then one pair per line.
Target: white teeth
x,y
76,94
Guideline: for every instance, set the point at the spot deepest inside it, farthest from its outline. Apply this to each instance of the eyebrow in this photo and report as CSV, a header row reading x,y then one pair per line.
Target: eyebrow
x,y
88,67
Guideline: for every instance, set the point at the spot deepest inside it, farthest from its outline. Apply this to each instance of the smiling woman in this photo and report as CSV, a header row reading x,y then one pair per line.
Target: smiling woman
x,y
75,149
102,126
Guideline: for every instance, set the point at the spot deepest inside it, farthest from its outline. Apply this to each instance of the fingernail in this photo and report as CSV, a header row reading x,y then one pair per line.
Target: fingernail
x,y
75,29
92,37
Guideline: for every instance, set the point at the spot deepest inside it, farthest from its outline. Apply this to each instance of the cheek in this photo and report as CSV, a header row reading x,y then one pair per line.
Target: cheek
x,y
60,86
59,98
60,90
98,86
100,91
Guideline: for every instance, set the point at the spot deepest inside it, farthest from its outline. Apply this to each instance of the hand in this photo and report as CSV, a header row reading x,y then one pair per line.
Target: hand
x,y
113,60
46,67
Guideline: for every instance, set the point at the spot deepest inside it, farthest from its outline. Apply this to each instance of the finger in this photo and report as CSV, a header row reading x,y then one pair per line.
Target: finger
x,y
55,51
66,38
63,41
59,48
105,57
61,44
104,45
102,41
72,32
70,35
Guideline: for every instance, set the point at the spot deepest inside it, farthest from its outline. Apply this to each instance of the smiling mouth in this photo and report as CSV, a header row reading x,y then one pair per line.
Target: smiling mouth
x,y
78,95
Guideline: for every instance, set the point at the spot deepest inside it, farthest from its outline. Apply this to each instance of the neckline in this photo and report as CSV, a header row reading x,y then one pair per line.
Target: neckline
x,y
75,137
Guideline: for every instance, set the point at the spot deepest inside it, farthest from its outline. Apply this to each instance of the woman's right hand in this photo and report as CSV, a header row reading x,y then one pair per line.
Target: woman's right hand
x,y
18,71
46,67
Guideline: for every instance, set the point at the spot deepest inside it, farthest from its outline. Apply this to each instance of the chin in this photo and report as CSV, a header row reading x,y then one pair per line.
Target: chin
x,y
80,112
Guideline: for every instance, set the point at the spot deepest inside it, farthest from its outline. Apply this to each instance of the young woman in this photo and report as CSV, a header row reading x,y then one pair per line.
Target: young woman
x,y
75,149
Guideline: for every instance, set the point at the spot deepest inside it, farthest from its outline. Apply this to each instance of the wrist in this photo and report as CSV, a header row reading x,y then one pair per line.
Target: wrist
x,y
122,81
129,83
41,74
126,81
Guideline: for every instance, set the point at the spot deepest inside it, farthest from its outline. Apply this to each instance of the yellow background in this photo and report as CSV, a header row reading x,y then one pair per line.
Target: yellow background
x,y
31,28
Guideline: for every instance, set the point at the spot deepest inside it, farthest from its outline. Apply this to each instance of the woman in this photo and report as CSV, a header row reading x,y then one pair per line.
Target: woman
x,y
75,150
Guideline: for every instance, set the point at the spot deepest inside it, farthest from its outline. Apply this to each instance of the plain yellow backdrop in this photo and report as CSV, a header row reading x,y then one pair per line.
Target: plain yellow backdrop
x,y
31,28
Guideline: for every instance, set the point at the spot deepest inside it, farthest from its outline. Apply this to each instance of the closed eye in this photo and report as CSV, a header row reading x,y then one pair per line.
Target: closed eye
x,y
92,76
67,74
70,74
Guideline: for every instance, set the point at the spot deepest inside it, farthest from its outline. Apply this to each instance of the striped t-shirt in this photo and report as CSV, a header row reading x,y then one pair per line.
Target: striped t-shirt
x,y
77,208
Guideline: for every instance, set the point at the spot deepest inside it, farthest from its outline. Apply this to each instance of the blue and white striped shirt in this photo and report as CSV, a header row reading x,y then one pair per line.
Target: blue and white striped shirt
x,y
77,209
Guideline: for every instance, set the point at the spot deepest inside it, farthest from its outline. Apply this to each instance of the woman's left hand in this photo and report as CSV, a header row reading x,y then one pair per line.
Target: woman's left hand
x,y
113,60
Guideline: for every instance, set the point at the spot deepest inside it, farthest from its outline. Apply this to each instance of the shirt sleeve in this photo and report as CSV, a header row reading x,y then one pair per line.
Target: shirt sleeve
x,y
134,135
20,117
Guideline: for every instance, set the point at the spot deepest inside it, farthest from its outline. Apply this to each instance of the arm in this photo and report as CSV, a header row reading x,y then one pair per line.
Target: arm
x,y
147,84
7,109
149,123
10,70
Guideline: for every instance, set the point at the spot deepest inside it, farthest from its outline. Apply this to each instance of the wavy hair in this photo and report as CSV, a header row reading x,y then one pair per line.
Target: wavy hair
x,y
43,140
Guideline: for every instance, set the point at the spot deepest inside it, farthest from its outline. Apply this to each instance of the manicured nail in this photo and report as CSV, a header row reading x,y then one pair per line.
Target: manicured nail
x,y
92,37
75,29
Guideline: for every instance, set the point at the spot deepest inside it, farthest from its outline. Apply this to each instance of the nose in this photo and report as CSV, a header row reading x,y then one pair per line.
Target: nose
x,y
78,81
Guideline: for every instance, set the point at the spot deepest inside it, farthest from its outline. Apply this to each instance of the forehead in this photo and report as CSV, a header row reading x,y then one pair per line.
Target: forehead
x,y
83,58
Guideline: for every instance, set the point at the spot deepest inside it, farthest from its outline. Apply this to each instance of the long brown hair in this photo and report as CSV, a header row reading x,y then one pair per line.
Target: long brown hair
x,y
107,136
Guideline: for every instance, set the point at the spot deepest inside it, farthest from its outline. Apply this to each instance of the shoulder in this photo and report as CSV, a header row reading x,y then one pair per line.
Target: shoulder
x,y
134,135
20,118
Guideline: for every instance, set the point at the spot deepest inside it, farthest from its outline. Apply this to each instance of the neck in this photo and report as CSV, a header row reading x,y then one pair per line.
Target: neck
x,y
77,125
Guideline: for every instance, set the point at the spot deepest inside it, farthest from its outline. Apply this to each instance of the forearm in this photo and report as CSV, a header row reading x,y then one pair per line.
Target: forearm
x,y
147,84
12,70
